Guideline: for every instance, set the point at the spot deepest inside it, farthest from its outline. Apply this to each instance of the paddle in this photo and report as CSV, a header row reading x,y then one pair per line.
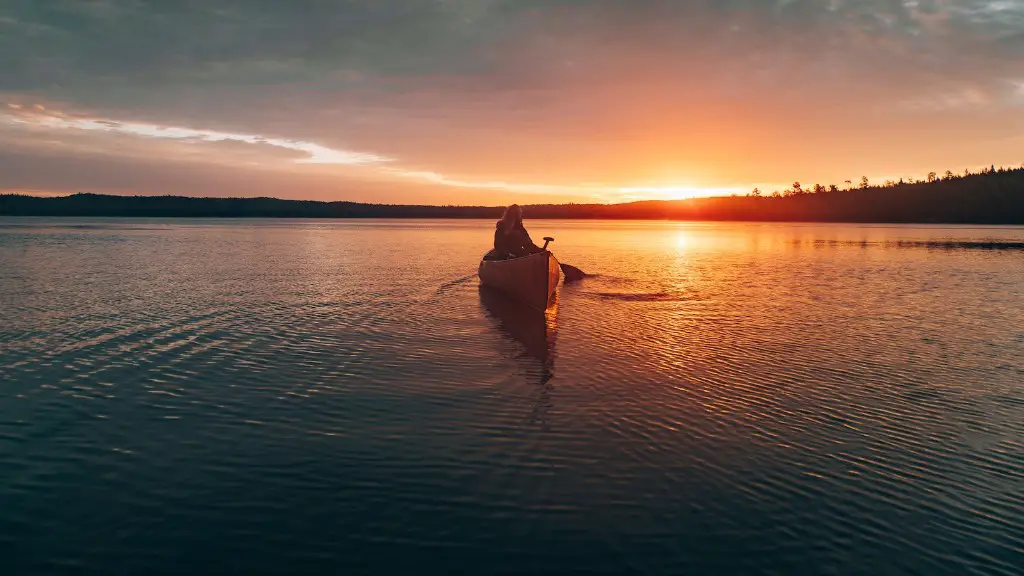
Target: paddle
x,y
572,273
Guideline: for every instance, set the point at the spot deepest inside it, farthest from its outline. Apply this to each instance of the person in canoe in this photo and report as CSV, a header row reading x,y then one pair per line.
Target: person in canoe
x,y
511,240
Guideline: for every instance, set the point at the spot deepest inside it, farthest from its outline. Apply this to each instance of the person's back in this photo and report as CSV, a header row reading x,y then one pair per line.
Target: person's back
x,y
511,240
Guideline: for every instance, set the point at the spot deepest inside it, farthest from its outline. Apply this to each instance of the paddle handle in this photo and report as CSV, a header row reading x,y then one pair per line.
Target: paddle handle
x,y
547,240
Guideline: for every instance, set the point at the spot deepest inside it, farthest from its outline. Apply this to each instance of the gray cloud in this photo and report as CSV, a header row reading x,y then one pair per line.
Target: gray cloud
x,y
154,42
67,47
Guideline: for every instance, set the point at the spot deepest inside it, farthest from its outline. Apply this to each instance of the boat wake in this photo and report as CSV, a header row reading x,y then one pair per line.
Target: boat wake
x,y
448,285
626,289
639,297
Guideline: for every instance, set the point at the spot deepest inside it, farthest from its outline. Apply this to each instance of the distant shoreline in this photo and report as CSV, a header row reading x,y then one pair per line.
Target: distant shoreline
x,y
992,197
492,220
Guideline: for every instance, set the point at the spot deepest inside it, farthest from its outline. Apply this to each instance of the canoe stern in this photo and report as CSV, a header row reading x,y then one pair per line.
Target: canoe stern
x,y
530,279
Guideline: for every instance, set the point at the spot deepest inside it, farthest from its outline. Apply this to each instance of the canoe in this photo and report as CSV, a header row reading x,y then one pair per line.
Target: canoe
x,y
531,279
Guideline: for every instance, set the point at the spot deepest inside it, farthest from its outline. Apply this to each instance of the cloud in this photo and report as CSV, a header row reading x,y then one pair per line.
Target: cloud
x,y
45,172
124,53
309,152
47,129
529,96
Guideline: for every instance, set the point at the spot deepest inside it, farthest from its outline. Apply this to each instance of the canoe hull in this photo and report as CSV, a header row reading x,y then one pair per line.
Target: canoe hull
x,y
531,279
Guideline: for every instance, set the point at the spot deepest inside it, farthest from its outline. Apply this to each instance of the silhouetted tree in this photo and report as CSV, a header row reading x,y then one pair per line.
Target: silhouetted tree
x,y
863,182
931,176
756,193
833,187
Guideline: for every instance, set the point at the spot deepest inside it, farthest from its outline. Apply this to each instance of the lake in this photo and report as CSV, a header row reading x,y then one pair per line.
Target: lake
x,y
296,396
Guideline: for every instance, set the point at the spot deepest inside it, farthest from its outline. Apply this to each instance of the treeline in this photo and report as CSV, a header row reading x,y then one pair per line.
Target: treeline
x,y
994,196
85,204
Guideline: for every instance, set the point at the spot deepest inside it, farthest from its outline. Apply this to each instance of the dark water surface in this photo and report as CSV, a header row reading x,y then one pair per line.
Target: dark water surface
x,y
338,397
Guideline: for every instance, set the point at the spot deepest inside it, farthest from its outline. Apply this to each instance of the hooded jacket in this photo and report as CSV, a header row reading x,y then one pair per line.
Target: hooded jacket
x,y
514,244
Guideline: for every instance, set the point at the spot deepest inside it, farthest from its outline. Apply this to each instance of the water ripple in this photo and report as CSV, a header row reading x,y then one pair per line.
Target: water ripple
x,y
306,397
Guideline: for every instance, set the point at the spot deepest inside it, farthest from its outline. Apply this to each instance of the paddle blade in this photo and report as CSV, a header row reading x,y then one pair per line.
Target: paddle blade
x,y
572,273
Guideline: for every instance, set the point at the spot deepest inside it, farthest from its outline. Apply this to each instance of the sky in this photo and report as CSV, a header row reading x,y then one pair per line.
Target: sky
x,y
499,101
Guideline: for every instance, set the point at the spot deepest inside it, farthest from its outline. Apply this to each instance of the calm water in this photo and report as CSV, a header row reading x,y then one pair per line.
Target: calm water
x,y
259,397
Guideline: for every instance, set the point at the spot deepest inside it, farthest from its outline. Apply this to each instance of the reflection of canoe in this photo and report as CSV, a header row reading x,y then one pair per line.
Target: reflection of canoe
x,y
531,279
528,327
536,332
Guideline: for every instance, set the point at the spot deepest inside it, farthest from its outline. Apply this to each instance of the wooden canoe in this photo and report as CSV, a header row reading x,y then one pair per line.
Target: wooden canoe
x,y
531,279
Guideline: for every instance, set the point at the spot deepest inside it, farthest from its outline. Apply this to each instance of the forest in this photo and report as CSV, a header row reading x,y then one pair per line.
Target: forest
x,y
990,196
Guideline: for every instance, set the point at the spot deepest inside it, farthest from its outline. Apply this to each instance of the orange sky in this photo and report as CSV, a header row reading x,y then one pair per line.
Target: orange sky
x,y
492,101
